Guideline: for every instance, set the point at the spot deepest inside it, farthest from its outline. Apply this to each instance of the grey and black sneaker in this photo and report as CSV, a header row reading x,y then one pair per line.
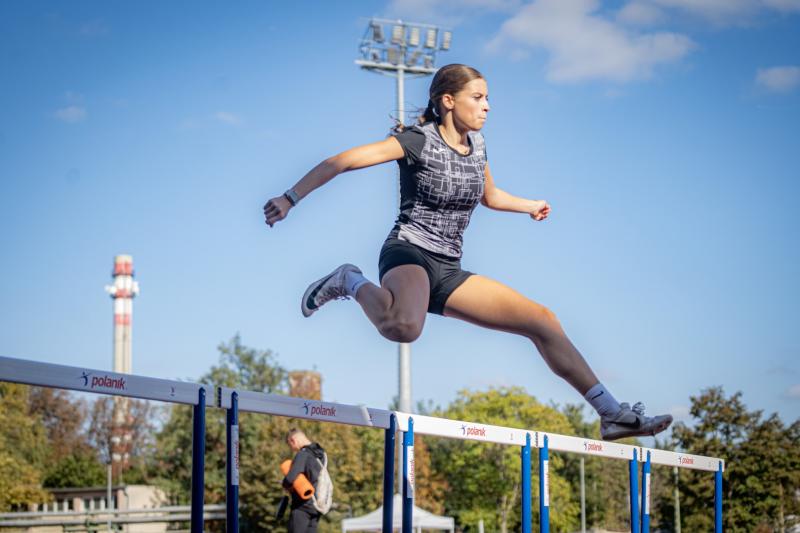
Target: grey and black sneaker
x,y
631,422
330,287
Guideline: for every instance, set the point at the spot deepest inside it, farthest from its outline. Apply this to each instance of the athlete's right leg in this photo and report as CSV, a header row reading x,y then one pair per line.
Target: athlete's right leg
x,y
398,307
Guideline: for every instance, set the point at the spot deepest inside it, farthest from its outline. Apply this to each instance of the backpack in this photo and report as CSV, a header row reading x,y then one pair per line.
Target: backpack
x,y
322,499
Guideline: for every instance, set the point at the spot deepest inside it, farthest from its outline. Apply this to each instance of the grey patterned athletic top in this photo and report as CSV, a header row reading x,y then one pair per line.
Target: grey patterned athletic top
x,y
439,189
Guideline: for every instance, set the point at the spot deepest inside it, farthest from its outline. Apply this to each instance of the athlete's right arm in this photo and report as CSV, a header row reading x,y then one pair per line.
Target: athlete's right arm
x,y
364,156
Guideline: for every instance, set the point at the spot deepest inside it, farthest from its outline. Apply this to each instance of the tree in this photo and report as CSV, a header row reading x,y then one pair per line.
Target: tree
x,y
63,417
23,450
762,465
81,469
485,478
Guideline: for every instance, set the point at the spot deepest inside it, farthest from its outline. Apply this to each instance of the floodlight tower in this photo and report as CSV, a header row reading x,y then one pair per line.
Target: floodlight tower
x,y
405,49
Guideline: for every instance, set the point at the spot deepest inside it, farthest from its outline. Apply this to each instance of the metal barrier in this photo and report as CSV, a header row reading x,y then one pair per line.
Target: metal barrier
x,y
391,421
128,385
80,379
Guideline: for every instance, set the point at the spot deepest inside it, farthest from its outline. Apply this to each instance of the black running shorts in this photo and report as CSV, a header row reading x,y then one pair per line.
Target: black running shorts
x,y
444,273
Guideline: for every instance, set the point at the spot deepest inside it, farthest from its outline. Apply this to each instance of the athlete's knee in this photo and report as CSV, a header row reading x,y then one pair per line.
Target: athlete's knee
x,y
543,325
401,329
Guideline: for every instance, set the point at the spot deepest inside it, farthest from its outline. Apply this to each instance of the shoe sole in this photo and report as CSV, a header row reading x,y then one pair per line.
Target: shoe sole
x,y
307,311
664,424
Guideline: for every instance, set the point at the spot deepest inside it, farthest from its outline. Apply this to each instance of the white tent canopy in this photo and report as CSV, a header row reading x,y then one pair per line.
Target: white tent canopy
x,y
422,519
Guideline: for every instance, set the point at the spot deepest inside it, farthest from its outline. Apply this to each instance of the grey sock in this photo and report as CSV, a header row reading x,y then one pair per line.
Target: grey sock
x,y
603,402
353,281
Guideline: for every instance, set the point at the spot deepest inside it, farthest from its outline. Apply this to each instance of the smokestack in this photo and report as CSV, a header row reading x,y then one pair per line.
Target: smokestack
x,y
122,291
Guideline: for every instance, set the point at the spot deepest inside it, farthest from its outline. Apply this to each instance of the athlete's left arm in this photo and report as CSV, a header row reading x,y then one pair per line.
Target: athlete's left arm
x,y
499,200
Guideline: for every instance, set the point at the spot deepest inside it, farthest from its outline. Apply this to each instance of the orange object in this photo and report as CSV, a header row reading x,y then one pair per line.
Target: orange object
x,y
302,486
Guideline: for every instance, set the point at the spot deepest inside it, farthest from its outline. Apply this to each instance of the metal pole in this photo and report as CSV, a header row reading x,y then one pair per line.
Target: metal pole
x,y
677,501
232,466
198,462
544,488
646,495
583,498
718,499
388,475
633,468
526,485
403,348
109,500
408,477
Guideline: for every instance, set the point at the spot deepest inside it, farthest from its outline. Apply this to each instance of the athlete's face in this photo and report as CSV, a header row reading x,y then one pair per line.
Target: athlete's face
x,y
470,105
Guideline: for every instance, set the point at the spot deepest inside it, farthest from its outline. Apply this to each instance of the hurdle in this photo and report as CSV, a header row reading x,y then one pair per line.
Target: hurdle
x,y
233,400
128,385
410,424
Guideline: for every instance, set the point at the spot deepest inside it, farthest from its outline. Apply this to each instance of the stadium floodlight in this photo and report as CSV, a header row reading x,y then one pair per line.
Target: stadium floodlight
x,y
446,36
413,36
389,47
377,32
398,34
430,38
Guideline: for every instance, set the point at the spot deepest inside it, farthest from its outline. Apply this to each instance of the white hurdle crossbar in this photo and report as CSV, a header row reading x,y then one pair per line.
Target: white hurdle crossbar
x,y
128,385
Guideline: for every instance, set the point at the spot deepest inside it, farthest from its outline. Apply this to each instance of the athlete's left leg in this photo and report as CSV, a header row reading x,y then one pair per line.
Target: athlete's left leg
x,y
491,304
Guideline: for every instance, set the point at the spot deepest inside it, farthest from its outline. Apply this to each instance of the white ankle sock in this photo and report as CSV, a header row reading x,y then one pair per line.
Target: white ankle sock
x,y
353,281
602,401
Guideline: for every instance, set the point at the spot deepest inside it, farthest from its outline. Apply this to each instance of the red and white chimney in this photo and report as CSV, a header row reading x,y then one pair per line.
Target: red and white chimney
x,y
123,290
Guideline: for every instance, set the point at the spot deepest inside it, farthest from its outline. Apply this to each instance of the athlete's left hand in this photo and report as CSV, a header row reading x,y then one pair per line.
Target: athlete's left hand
x,y
540,210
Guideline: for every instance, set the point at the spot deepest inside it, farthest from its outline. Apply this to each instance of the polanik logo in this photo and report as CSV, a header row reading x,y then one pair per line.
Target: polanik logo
x,y
102,382
468,431
592,446
318,410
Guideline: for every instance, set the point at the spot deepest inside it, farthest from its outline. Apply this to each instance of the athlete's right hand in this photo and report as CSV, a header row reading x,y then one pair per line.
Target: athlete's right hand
x,y
276,210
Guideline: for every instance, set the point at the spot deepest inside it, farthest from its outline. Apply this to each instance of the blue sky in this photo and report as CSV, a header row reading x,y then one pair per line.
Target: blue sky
x,y
664,133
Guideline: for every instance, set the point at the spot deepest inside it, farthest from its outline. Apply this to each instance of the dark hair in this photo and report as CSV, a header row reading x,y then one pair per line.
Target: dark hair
x,y
449,79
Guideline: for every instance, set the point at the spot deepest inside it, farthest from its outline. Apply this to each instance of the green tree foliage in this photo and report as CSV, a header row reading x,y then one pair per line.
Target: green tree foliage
x,y
484,479
762,458
23,450
81,469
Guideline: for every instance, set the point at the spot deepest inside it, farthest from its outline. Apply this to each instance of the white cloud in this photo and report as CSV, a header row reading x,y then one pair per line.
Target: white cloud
x,y
779,79
228,118
640,13
793,392
583,45
71,114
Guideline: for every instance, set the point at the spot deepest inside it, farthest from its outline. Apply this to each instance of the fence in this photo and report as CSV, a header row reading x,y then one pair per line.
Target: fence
x,y
233,400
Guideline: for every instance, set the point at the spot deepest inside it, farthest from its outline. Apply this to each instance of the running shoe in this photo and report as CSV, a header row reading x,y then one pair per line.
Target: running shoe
x,y
330,287
631,422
